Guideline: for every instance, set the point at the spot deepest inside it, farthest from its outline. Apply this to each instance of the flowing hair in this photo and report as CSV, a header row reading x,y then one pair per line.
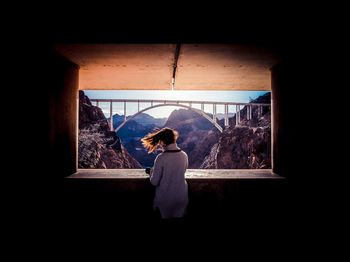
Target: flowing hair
x,y
165,135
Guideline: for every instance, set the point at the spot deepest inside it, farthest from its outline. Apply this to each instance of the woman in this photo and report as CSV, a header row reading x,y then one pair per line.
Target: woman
x,y
168,173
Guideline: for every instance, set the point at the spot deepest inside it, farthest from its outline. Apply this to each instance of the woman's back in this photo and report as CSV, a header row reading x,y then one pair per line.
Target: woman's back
x,y
168,173
172,184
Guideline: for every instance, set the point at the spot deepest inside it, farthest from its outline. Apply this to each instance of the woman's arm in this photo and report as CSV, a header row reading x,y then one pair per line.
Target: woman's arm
x,y
156,171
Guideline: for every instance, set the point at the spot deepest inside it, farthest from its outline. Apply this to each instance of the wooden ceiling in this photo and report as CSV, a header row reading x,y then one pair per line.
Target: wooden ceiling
x,y
150,66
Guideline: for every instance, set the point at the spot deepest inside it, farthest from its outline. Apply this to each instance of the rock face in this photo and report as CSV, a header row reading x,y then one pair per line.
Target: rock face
x,y
247,146
94,150
90,115
240,148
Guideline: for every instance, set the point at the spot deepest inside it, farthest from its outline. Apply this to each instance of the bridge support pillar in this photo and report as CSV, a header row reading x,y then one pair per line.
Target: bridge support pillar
x,y
259,111
214,112
124,111
226,116
249,112
111,115
238,116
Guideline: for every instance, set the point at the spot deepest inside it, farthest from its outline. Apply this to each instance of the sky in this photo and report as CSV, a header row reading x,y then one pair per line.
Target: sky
x,y
164,111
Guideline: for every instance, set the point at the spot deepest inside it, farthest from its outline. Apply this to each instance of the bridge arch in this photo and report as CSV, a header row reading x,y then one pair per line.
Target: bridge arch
x,y
198,111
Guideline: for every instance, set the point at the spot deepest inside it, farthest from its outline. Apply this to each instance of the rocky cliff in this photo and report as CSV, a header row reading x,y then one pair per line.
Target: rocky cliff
x,y
94,150
245,146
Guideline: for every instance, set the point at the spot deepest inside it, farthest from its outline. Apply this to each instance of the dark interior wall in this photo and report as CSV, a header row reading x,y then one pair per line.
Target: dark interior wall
x,y
301,135
63,94
284,120
295,118
242,207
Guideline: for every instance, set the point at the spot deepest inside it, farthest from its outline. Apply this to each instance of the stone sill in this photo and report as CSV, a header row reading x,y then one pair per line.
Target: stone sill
x,y
190,174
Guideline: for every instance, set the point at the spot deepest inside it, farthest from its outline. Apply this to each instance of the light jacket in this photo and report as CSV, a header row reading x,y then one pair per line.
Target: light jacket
x,y
168,176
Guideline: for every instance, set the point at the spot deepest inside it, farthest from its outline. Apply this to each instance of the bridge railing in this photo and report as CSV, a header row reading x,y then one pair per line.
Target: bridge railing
x,y
188,103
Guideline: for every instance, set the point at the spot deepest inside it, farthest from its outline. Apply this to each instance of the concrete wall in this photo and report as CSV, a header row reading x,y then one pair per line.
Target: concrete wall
x,y
63,94
214,200
283,119
293,114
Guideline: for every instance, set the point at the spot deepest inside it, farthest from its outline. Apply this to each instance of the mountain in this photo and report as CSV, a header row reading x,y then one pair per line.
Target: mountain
x,y
94,136
196,134
131,133
187,120
142,119
131,128
245,146
146,119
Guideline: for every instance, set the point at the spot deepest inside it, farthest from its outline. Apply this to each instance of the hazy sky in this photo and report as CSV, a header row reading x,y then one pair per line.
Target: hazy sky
x,y
164,111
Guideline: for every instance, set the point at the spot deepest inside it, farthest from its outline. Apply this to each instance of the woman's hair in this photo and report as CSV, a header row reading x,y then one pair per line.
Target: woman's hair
x,y
165,135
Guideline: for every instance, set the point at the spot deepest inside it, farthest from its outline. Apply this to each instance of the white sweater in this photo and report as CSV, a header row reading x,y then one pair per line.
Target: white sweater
x,y
168,176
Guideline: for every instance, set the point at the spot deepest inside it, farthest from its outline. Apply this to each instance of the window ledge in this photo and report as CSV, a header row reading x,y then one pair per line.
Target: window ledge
x,y
190,174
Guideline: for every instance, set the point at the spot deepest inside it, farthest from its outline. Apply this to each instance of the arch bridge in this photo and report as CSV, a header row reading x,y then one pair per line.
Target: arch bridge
x,y
186,104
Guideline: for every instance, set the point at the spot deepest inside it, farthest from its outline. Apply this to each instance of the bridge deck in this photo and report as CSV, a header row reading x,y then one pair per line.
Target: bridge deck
x,y
177,101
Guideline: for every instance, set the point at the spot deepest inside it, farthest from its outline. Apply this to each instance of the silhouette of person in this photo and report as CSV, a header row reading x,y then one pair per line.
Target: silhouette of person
x,y
168,173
